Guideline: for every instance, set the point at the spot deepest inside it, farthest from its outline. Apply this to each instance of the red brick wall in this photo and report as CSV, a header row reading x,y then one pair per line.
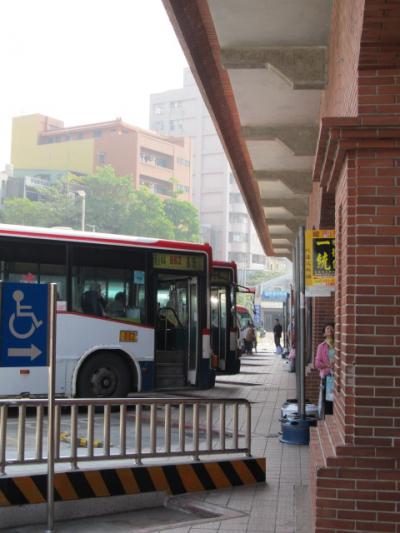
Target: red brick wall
x,y
340,98
323,313
312,384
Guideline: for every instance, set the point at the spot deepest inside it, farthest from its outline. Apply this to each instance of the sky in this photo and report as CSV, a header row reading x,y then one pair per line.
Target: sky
x,y
84,61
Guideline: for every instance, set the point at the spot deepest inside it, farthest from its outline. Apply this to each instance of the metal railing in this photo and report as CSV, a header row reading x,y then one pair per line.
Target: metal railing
x,y
108,429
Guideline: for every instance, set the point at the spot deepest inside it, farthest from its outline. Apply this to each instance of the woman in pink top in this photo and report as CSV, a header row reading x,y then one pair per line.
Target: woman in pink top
x,y
324,362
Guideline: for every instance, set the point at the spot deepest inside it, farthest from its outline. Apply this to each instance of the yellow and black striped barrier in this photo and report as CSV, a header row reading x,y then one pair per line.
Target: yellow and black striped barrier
x,y
171,478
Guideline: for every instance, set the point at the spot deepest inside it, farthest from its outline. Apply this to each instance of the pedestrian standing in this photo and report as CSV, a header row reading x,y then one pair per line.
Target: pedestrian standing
x,y
277,336
249,338
324,362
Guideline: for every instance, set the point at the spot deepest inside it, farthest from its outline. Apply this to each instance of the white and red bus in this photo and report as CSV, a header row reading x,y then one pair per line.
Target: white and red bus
x,y
132,313
224,331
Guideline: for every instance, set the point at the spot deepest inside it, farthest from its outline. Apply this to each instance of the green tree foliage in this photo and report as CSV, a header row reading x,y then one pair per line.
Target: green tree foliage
x,y
25,212
112,206
185,219
108,199
147,217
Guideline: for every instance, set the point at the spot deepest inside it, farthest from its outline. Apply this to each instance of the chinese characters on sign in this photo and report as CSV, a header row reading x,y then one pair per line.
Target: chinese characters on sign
x,y
178,261
320,262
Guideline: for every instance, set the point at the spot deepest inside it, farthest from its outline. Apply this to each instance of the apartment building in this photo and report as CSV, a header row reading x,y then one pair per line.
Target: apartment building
x,y
224,219
42,147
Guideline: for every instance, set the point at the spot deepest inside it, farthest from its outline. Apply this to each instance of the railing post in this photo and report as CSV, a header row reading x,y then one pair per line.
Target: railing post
x,y
235,436
106,429
39,433
57,426
74,437
21,433
195,431
209,426
222,426
167,428
248,429
122,429
153,429
182,443
3,438
90,430
138,434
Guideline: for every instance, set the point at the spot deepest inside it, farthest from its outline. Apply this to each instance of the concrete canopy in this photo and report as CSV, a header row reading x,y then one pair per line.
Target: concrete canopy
x,y
261,66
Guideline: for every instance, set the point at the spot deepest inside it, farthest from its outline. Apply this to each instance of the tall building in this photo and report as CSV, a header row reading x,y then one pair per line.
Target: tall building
x,y
223,215
43,148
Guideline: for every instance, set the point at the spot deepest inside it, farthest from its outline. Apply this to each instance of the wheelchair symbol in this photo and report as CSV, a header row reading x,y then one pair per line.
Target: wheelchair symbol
x,y
23,311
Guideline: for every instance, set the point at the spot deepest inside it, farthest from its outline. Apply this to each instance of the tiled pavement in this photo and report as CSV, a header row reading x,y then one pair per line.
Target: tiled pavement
x,y
268,508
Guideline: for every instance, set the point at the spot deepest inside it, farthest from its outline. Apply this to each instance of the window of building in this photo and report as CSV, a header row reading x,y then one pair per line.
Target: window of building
x,y
237,237
157,186
101,158
97,134
182,188
158,109
235,197
237,218
157,159
239,257
258,258
183,162
176,104
176,125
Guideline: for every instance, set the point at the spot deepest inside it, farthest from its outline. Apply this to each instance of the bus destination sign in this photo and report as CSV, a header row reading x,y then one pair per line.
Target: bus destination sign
x,y
178,261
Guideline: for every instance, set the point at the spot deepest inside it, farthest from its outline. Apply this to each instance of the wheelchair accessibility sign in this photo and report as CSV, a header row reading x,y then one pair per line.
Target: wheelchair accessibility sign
x,y
24,324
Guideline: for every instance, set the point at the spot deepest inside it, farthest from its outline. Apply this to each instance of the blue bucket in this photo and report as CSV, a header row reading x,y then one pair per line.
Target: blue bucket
x,y
295,431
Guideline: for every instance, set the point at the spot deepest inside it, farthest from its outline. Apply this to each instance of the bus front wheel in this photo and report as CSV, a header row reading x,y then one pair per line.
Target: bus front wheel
x,y
104,375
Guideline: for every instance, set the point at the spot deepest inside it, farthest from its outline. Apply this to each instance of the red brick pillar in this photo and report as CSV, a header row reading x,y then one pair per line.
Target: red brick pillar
x,y
355,472
355,454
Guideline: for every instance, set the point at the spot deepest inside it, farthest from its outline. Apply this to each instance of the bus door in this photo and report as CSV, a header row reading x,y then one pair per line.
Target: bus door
x,y
219,333
177,332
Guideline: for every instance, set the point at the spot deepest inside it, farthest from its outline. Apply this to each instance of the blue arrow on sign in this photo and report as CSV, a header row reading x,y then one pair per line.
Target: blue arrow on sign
x,y
24,324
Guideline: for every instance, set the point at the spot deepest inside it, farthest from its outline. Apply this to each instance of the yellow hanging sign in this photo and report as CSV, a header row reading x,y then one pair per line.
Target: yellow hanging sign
x,y
320,262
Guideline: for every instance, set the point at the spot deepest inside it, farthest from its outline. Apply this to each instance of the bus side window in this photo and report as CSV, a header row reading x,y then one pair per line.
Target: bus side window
x,y
42,273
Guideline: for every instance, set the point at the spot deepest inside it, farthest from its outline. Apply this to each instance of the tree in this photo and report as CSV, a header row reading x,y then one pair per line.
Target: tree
x,y
112,206
147,216
184,218
108,199
28,213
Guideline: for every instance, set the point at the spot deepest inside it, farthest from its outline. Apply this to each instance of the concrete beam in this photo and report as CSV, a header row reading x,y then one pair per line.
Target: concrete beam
x,y
292,224
299,182
288,254
286,243
290,236
302,67
282,247
301,140
297,207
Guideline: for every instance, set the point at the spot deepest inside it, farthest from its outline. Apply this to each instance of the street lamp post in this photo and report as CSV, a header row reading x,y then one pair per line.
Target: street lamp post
x,y
82,195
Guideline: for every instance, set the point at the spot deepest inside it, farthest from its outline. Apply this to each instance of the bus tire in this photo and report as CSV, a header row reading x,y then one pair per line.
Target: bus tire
x,y
104,375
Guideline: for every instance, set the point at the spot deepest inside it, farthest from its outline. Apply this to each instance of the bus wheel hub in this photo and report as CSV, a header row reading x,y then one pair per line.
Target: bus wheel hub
x,y
104,381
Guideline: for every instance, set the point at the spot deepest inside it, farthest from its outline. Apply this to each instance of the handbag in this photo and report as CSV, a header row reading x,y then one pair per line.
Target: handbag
x,y
321,401
329,388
